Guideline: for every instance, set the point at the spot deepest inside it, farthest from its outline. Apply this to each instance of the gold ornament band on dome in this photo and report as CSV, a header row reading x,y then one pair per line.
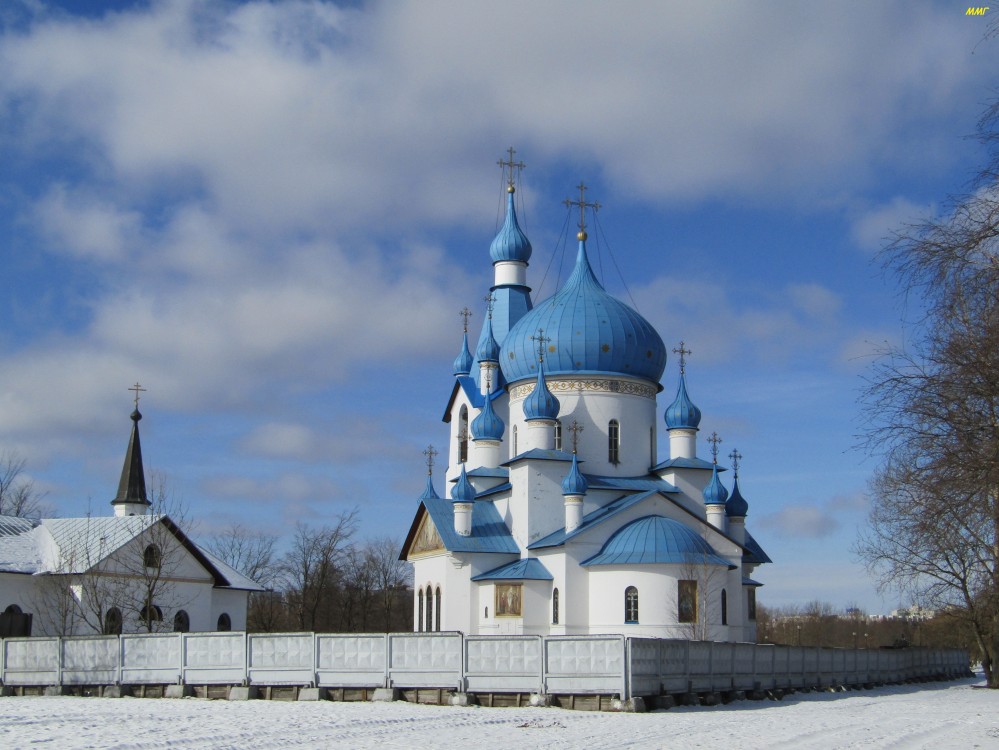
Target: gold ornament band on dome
x,y
595,385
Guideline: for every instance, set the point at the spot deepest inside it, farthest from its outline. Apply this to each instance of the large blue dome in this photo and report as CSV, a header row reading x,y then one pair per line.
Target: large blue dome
x,y
590,331
656,540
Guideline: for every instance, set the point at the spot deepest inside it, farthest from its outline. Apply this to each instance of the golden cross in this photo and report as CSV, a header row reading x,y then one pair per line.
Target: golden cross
x,y
736,457
510,165
137,388
715,441
542,340
465,313
683,352
575,429
430,453
583,205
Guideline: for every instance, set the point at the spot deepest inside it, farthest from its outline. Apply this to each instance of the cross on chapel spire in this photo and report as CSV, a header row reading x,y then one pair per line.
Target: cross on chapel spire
x,y
683,352
138,389
465,314
508,166
575,429
715,442
736,457
490,300
583,205
430,453
541,340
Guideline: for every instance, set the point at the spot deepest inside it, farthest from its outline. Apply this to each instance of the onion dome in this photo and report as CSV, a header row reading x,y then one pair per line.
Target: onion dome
x,y
429,493
590,331
656,540
463,491
736,505
511,243
488,425
715,493
541,404
463,362
574,482
682,413
488,350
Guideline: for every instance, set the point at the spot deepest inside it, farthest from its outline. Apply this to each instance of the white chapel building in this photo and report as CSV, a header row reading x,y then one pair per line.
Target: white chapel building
x,y
559,518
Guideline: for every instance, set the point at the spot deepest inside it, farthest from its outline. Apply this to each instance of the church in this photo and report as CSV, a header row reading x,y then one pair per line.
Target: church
x,y
131,571
560,518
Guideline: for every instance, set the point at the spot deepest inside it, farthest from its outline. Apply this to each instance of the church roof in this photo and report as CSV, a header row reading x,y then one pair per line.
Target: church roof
x,y
736,505
541,403
747,581
540,454
527,569
488,349
591,519
754,554
488,425
641,484
485,471
682,413
684,463
489,533
574,483
463,362
590,331
132,485
715,493
510,243
654,540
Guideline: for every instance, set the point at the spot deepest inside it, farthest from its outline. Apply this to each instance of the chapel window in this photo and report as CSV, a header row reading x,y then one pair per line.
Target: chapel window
x,y
437,608
555,607
150,614
631,605
614,442
462,435
112,621
151,556
515,440
224,624
419,612
181,622
751,601
558,435
13,609
724,607
430,610
686,601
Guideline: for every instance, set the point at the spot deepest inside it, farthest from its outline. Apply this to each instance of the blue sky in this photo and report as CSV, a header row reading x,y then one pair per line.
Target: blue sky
x,y
269,214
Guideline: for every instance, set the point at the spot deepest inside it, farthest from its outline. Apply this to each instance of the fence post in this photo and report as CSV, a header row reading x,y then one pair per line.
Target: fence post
x,y
182,655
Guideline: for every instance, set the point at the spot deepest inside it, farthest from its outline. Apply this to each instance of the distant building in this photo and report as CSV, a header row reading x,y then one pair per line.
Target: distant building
x,y
561,519
130,572
915,612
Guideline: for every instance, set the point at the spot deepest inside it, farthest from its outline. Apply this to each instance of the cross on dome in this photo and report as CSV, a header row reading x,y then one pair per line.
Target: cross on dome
x,y
575,429
583,205
508,166
137,388
430,453
490,300
541,340
715,442
683,352
465,314
736,457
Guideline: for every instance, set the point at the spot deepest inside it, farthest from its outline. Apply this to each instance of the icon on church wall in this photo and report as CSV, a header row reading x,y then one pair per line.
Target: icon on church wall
x,y
508,599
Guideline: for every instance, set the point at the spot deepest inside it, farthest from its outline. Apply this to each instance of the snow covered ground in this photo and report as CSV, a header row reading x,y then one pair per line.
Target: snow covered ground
x,y
934,715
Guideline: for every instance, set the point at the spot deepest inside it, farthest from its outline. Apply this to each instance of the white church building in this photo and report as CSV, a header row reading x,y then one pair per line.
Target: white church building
x,y
560,518
131,571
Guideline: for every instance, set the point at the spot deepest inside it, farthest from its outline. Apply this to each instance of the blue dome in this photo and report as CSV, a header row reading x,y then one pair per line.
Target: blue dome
x,y
715,493
429,493
511,243
540,403
574,482
656,539
736,505
463,362
488,425
488,350
590,331
682,413
463,491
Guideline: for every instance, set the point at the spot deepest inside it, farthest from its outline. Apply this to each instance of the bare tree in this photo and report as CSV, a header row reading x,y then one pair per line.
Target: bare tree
x,y
934,415
18,496
249,552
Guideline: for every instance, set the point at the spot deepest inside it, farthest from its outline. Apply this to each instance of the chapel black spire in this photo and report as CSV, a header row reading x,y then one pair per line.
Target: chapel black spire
x,y
132,486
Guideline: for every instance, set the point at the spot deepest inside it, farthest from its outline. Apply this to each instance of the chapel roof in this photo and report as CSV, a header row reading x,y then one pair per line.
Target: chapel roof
x,y
656,539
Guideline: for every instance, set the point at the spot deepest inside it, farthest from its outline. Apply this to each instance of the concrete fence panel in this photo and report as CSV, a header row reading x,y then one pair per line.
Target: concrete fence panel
x,y
91,661
215,658
504,664
352,660
152,659
585,664
425,660
31,661
281,659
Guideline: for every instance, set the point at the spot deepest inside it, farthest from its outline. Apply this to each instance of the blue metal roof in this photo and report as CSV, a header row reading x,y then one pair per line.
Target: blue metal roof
x,y
736,504
750,582
489,533
641,484
488,425
715,493
463,362
684,463
540,403
594,518
754,552
463,491
429,491
539,454
484,471
488,350
498,489
653,540
590,331
528,569
574,482
511,243
682,413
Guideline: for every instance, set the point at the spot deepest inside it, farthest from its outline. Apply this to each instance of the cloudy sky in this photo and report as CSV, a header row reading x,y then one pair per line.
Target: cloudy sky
x,y
270,213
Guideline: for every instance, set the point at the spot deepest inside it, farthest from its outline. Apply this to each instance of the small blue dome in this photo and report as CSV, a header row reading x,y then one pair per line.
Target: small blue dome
x,y
736,505
574,482
429,493
715,493
488,425
488,350
682,413
590,331
511,243
463,491
540,403
656,539
463,362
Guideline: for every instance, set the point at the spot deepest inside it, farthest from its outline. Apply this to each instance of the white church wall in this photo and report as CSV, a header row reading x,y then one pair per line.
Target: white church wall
x,y
691,483
535,505
230,602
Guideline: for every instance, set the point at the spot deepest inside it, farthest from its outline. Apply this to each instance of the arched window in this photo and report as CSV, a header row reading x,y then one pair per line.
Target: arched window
x,y
150,614
724,607
558,435
555,607
430,609
224,623
419,613
13,609
515,440
751,603
151,557
462,436
614,442
181,622
437,608
112,621
631,605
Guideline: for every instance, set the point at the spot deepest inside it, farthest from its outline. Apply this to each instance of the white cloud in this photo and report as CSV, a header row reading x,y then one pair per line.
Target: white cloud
x,y
796,521
873,229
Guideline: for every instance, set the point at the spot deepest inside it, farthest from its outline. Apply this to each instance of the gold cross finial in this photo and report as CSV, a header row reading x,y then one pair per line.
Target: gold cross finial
x,y
683,352
736,457
490,300
541,339
138,389
583,205
430,453
715,442
508,166
465,314
575,429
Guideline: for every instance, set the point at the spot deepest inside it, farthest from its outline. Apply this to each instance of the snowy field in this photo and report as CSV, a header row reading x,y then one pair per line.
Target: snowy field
x,y
935,715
